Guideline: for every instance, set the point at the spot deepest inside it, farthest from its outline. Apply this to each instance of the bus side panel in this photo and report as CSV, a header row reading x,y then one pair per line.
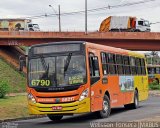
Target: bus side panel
x,y
141,83
126,84
138,84
146,88
116,98
121,90
128,96
96,97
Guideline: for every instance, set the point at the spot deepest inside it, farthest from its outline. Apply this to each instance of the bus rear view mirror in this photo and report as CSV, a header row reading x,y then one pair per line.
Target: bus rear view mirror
x,y
22,62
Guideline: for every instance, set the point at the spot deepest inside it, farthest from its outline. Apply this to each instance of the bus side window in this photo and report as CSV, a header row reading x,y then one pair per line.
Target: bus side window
x,y
119,63
104,59
154,70
157,70
95,66
94,69
112,64
149,70
138,66
133,65
126,62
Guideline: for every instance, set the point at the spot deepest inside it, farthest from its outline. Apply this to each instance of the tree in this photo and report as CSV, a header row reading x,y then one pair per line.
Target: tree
x,y
155,56
154,53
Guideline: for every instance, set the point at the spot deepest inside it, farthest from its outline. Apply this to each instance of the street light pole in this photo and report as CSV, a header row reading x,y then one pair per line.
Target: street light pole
x,y
86,17
59,15
59,8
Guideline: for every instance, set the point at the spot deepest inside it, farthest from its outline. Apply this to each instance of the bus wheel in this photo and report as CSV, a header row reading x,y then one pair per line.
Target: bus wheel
x,y
105,112
55,117
135,105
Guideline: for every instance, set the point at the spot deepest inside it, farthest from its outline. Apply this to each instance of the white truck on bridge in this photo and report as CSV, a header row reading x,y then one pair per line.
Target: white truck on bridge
x,y
18,25
124,24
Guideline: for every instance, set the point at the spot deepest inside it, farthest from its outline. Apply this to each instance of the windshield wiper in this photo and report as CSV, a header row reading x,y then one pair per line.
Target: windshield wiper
x,y
43,63
45,66
67,62
47,70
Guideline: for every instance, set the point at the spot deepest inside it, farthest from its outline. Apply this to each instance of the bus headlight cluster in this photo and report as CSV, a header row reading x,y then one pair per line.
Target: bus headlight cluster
x,y
84,94
31,98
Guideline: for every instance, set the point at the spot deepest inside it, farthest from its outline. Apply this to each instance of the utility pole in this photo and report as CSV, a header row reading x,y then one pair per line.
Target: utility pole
x,y
86,17
59,8
58,16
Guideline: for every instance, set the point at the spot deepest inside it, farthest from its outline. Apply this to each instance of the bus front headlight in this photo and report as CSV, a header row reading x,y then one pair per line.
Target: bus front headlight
x,y
31,98
84,94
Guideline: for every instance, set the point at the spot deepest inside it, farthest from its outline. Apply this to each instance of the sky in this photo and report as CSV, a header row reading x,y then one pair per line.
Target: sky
x,y
30,8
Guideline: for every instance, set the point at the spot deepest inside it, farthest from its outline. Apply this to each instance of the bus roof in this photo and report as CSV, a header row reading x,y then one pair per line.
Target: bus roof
x,y
115,50
61,42
98,47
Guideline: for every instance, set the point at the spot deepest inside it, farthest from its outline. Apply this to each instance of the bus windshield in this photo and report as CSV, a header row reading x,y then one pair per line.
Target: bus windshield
x,y
154,70
57,71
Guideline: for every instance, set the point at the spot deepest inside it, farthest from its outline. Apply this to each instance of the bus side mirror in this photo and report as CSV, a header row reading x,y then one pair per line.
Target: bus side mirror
x,y
22,62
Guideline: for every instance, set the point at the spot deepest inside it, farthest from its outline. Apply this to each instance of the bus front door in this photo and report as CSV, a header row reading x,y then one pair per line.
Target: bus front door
x,y
96,99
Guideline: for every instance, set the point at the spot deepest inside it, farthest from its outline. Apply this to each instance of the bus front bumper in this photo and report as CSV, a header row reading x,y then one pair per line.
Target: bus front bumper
x,y
67,108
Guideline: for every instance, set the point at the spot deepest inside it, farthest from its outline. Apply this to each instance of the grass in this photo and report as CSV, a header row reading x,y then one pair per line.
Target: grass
x,y
13,107
16,80
23,48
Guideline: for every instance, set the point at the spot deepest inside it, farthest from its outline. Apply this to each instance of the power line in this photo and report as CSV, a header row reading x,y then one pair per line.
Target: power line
x,y
95,9
155,23
91,10
124,11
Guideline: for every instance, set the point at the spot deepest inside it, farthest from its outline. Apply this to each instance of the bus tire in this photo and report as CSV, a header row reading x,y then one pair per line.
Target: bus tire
x,y
135,104
55,118
105,112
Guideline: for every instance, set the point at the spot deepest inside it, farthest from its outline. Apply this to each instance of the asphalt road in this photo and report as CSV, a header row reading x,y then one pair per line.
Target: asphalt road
x,y
147,109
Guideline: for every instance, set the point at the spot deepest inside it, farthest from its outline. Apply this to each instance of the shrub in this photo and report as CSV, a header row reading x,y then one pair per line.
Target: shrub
x,y
155,82
154,85
4,88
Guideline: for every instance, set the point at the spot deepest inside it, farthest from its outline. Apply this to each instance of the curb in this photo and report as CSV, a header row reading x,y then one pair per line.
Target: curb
x,y
23,118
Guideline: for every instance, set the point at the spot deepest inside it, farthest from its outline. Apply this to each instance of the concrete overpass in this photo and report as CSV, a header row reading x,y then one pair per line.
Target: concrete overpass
x,y
128,40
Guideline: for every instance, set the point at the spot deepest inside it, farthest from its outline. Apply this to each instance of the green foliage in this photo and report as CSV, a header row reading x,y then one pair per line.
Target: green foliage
x,y
15,80
13,107
4,88
24,48
155,82
154,85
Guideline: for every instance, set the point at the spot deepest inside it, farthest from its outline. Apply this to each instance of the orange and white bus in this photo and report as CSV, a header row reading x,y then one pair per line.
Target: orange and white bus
x,y
71,77
153,73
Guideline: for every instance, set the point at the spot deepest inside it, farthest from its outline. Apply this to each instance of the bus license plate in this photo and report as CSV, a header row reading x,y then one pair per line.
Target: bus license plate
x,y
57,108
